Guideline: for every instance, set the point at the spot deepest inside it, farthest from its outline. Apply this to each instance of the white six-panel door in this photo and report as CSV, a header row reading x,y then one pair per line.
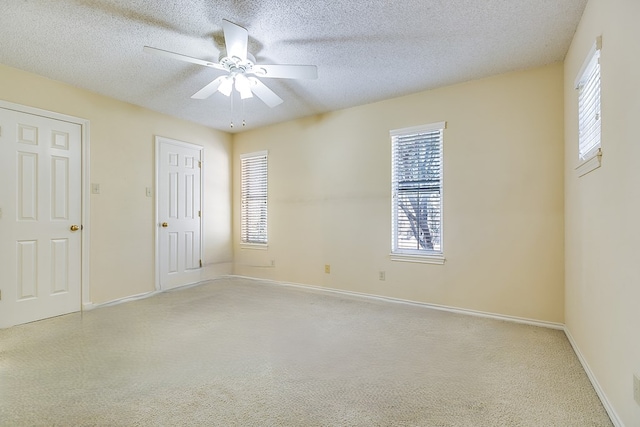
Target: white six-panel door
x,y
179,212
40,208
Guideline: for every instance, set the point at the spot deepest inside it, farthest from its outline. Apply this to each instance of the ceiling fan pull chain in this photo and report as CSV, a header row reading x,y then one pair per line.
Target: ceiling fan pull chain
x,y
243,122
231,110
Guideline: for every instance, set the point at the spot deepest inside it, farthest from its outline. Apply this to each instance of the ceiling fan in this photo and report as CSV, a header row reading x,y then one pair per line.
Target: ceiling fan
x,y
242,70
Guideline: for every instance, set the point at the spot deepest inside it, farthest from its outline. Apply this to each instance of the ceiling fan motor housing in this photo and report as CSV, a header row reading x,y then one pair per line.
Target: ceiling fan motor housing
x,y
235,65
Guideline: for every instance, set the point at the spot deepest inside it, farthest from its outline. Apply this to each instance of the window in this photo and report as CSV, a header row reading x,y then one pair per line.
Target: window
x,y
588,86
417,191
253,211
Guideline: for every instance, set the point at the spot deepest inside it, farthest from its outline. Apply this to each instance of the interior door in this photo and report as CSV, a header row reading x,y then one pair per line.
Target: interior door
x,y
179,202
40,213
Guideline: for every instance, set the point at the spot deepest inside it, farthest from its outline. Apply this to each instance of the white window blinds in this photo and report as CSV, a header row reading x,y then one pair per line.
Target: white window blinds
x,y
417,190
588,85
253,212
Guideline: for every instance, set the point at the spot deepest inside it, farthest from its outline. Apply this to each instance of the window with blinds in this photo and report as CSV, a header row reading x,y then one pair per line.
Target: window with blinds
x,y
588,86
253,211
417,190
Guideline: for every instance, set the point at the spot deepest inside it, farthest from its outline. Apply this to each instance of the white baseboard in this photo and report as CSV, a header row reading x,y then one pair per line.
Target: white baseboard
x,y
523,320
603,397
91,306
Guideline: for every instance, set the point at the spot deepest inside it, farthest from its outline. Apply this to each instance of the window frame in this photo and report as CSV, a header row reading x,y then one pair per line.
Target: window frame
x,y
244,216
589,76
416,255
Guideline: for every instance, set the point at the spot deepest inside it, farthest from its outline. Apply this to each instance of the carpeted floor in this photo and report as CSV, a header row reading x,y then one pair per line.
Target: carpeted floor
x,y
237,352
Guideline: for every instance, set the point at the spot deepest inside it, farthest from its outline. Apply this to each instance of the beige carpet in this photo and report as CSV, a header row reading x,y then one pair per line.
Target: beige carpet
x,y
236,352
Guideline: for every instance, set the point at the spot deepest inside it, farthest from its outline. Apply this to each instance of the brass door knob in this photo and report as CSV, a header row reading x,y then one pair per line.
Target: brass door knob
x,y
74,228
165,225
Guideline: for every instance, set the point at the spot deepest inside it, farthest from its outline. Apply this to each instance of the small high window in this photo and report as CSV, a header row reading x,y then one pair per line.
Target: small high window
x,y
589,120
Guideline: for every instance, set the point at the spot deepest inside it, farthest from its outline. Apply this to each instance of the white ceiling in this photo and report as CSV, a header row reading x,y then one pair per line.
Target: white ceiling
x,y
365,51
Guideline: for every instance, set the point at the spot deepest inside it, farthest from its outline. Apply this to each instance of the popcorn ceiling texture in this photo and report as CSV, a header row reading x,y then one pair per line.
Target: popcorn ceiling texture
x,y
237,352
365,51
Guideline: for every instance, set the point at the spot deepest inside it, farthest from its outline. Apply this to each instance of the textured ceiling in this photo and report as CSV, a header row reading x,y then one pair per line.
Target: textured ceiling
x,y
365,51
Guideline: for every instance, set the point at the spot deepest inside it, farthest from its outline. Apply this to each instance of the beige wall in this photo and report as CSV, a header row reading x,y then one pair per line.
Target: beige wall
x,y
329,197
122,230
603,208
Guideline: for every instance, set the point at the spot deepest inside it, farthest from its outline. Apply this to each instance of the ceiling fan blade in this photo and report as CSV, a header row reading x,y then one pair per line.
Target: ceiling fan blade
x,y
264,93
209,89
236,39
287,71
180,57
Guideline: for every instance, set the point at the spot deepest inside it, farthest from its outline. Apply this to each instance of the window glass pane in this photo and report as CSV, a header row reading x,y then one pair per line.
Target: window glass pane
x,y
418,222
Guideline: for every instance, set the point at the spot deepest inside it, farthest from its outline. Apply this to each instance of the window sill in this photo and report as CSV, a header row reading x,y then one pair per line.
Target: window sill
x,y
590,164
256,246
420,259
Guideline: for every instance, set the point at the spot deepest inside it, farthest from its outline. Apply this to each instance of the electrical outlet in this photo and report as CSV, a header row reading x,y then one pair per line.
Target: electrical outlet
x,y
382,275
327,268
636,388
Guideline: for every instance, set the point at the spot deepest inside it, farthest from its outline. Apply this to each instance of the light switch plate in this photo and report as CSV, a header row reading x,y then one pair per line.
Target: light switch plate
x,y
95,188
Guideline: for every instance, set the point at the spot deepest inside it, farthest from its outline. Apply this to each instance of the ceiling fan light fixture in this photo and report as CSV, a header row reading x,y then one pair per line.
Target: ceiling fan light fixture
x,y
246,94
243,85
226,86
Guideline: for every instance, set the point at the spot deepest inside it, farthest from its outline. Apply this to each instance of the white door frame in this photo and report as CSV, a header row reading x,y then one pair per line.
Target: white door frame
x,y
158,140
85,133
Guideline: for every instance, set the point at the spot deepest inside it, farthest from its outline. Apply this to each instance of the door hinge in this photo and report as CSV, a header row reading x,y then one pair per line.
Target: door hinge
x,y
199,163
200,263
199,213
